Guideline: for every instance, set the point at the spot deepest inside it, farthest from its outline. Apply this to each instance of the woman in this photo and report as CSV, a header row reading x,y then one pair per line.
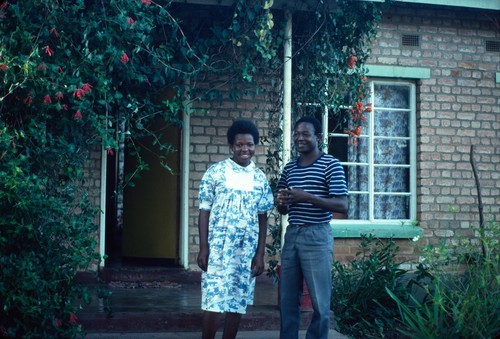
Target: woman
x,y
234,199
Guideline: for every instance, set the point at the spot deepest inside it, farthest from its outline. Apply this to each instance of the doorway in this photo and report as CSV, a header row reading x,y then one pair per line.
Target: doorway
x,y
151,204
151,207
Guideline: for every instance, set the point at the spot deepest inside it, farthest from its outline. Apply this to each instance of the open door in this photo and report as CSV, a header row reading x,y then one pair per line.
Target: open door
x,y
151,206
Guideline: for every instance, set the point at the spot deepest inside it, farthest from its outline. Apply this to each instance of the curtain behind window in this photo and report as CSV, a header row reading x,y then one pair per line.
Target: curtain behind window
x,y
389,161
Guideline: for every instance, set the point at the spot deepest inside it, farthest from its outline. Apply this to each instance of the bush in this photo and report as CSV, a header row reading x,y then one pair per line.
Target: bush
x,y
462,300
45,237
360,303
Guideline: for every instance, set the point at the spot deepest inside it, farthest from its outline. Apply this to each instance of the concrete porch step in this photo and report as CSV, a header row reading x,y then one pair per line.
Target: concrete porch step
x,y
160,300
261,318
163,299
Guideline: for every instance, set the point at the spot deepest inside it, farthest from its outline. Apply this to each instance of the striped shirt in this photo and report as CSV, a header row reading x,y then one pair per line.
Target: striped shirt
x,y
324,178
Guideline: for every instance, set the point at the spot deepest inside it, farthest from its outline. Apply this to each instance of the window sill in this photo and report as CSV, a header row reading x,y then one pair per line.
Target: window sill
x,y
344,230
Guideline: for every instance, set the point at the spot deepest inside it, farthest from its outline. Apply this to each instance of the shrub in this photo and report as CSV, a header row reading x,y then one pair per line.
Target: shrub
x,y
45,236
463,297
360,303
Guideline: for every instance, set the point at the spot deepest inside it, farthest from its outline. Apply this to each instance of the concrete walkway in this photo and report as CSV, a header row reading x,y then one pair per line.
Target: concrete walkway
x,y
160,304
197,335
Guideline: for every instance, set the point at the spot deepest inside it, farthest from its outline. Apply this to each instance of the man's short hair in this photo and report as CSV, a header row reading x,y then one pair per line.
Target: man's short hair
x,y
312,120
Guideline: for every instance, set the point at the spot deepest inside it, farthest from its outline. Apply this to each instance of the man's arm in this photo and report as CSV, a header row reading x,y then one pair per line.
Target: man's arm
x,y
337,204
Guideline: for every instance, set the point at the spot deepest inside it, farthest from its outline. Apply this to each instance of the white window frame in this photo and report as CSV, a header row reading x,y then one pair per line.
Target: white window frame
x,y
383,228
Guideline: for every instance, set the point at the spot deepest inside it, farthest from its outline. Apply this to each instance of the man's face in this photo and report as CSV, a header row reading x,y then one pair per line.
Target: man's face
x,y
305,138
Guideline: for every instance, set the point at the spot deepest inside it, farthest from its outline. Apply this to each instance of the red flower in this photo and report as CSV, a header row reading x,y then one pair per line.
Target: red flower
x,y
72,318
54,31
64,107
59,69
351,61
47,99
3,67
131,21
78,115
42,67
58,322
4,5
28,100
110,151
146,2
359,106
86,88
48,50
124,58
79,93
58,96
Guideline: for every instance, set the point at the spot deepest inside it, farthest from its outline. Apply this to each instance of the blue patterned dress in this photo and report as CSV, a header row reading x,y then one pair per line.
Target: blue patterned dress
x,y
234,195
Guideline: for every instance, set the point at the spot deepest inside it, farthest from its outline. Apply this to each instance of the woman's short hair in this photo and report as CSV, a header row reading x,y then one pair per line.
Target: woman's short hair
x,y
242,126
312,120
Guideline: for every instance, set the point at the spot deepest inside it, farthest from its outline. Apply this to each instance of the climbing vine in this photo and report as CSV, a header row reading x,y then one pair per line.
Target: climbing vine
x,y
332,45
81,75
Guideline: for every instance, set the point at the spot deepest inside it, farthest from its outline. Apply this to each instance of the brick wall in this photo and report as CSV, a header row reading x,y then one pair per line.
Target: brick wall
x,y
458,106
93,183
209,142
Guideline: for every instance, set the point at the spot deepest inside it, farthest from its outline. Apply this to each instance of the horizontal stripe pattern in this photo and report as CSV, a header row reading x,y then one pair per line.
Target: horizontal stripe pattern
x,y
324,178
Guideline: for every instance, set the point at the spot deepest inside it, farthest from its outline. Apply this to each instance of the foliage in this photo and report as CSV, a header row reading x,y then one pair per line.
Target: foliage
x,y
76,76
360,303
338,34
331,43
81,75
463,297
42,243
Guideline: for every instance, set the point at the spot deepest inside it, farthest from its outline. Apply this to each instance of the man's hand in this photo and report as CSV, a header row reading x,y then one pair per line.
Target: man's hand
x,y
291,195
281,197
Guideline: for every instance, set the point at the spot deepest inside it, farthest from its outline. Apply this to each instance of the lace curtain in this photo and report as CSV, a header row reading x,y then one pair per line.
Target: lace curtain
x,y
389,167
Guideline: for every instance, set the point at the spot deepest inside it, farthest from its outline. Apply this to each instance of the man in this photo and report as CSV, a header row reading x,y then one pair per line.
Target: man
x,y
309,190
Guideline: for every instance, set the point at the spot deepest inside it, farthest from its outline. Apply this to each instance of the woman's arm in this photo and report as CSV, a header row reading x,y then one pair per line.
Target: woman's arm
x,y
258,259
203,218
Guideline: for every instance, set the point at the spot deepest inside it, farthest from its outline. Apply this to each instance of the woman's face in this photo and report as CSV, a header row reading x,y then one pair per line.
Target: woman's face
x,y
243,149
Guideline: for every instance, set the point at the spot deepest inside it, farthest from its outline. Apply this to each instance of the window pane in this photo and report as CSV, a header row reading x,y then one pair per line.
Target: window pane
x,y
378,163
388,151
392,96
392,179
391,207
358,206
391,123
338,147
338,121
357,178
358,152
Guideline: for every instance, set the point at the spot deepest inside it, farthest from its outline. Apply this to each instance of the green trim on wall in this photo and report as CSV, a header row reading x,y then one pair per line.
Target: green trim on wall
x,y
398,72
484,4
498,77
380,231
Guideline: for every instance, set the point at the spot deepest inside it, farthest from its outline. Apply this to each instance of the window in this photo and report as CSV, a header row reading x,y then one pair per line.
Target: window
x,y
381,166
